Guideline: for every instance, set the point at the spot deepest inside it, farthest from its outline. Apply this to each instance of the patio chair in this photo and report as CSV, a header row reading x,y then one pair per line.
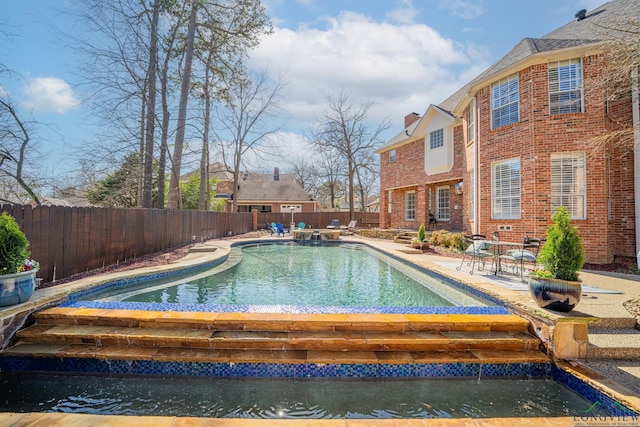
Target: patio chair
x,y
273,228
433,222
301,226
280,229
477,251
334,223
527,254
348,229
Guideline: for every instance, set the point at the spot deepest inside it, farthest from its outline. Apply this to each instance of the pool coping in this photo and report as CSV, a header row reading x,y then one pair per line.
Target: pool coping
x,y
214,251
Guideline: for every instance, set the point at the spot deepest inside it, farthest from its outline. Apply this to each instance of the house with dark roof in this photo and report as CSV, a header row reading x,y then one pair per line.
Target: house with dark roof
x,y
515,143
271,193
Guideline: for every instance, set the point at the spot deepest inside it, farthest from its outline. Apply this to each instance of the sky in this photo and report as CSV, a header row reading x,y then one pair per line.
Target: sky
x,y
402,55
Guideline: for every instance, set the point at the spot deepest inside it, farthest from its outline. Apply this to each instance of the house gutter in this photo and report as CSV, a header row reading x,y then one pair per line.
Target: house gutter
x,y
635,107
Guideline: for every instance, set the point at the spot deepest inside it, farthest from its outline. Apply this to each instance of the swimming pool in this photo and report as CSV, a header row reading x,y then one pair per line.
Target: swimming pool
x,y
294,275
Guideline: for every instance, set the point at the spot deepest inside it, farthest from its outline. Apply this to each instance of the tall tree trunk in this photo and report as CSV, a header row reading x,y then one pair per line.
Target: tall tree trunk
x,y
151,108
140,170
174,183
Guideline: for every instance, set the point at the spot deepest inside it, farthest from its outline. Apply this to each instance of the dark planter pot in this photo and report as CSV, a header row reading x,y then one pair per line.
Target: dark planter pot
x,y
555,294
17,288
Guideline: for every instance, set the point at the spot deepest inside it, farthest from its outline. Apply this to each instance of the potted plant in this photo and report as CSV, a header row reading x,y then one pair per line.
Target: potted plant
x,y
420,241
17,271
555,284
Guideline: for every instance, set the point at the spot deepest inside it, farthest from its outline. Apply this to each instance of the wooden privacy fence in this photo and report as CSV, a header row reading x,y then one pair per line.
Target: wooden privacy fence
x,y
319,219
67,240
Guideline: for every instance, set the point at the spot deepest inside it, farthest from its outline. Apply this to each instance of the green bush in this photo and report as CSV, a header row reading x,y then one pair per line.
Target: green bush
x,y
13,246
562,256
446,239
421,233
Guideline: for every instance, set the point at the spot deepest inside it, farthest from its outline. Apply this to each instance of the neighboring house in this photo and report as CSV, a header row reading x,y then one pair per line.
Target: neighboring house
x,y
504,151
271,193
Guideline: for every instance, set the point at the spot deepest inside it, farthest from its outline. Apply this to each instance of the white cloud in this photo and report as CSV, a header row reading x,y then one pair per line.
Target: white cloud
x,y
49,94
400,67
467,9
405,13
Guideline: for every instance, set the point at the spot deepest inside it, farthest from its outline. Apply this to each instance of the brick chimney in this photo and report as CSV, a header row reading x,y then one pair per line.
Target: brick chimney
x,y
409,119
276,174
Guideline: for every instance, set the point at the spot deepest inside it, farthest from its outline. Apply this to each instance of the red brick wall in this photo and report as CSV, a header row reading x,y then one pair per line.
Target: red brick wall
x,y
533,139
537,134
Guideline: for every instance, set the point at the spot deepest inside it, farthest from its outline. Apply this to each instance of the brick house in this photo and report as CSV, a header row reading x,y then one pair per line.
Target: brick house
x,y
513,144
271,193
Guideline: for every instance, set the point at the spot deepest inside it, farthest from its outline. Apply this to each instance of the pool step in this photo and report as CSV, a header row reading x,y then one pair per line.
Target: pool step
x,y
283,321
277,338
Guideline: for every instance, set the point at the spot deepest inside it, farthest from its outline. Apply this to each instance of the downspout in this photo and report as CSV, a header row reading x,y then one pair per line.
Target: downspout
x,y
476,180
635,107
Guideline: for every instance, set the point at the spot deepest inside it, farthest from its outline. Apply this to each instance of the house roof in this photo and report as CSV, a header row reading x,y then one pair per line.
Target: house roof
x,y
594,28
256,187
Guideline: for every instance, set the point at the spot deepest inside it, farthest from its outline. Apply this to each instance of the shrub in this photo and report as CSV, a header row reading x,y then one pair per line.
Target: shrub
x,y
13,246
562,256
421,233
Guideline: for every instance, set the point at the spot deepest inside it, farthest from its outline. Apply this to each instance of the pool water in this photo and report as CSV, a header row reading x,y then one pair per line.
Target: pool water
x,y
301,275
287,398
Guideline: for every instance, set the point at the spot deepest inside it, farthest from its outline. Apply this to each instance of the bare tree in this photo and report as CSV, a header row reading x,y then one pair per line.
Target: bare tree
x,y
620,61
14,147
231,27
247,118
345,129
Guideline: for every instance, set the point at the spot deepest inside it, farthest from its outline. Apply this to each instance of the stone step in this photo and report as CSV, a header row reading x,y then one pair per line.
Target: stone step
x,y
165,354
283,321
104,336
609,343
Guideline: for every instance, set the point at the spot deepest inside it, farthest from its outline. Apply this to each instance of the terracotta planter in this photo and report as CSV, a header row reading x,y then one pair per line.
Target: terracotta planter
x,y
555,294
17,288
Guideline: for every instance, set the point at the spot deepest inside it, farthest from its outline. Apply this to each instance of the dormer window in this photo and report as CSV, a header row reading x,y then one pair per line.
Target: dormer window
x,y
436,139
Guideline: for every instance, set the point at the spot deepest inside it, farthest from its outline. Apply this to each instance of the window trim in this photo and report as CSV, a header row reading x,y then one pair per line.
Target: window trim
x,y
577,184
439,209
409,197
507,99
471,121
436,139
497,202
575,81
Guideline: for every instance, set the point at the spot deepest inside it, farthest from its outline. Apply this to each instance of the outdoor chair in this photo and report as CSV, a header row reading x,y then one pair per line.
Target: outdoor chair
x,y
477,251
433,222
348,229
528,254
334,223
280,229
301,226
273,228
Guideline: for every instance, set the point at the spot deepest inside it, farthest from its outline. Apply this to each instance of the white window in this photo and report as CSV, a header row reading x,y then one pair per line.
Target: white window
x,y
505,189
565,87
392,156
504,102
568,189
471,121
442,203
436,139
471,191
410,205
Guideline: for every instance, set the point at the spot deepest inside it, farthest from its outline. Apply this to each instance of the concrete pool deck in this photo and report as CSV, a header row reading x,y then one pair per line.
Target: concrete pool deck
x,y
620,378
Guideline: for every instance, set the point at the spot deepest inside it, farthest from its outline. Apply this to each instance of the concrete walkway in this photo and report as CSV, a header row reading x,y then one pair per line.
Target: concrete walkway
x,y
601,304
